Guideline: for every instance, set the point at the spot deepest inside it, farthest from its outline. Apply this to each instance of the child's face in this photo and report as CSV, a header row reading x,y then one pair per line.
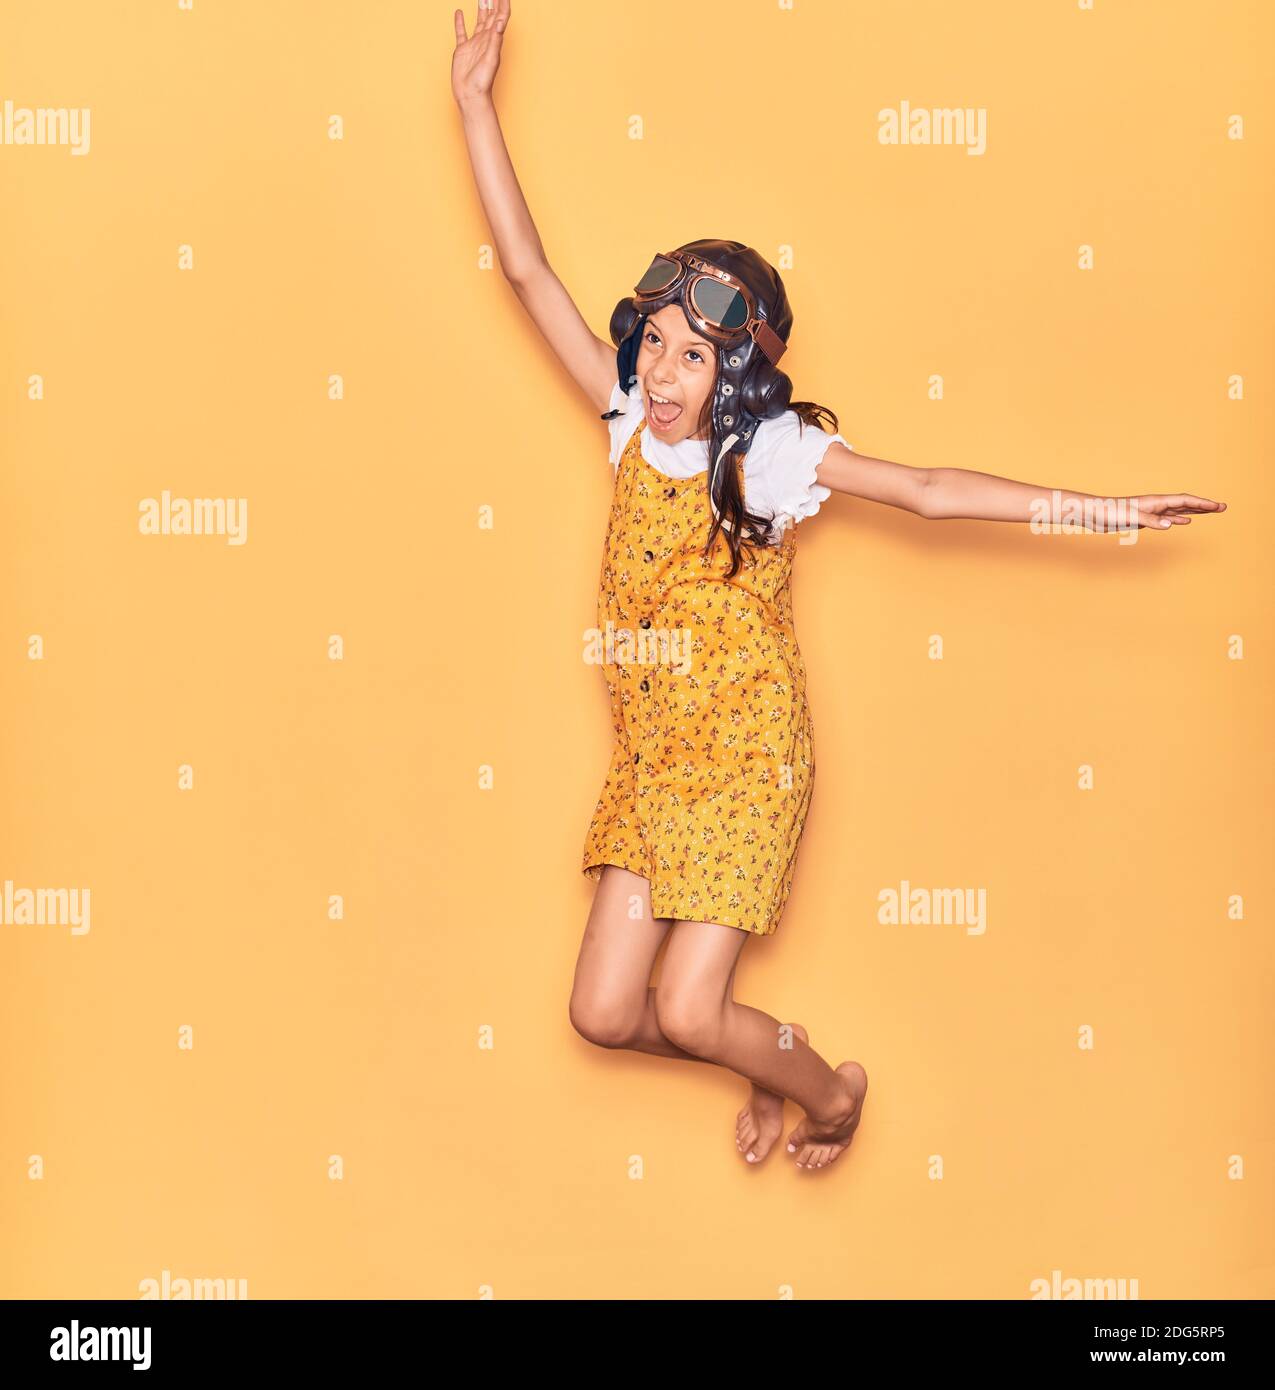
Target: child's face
x,y
676,362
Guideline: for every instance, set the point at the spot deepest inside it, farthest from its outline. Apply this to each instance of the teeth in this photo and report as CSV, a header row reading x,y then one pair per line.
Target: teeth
x,y
662,400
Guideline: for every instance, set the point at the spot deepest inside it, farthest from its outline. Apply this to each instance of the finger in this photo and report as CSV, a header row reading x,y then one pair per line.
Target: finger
x,y
1199,505
461,36
1188,501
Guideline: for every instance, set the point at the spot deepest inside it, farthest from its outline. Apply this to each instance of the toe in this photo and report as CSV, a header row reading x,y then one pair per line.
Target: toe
x,y
763,1144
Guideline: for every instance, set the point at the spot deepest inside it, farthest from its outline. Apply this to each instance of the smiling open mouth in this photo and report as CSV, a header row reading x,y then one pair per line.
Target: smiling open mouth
x,y
663,412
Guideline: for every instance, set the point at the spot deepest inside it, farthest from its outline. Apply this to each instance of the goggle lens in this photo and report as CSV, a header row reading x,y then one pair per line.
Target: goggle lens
x,y
720,304
660,275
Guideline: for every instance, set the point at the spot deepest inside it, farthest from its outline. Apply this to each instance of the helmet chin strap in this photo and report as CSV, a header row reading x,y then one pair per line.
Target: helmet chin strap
x,y
731,440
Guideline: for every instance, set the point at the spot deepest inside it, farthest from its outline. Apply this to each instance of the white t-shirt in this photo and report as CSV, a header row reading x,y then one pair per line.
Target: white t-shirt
x,y
779,467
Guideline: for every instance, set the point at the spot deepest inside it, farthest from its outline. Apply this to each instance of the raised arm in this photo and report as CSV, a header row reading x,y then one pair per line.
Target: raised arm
x,y
942,493
589,360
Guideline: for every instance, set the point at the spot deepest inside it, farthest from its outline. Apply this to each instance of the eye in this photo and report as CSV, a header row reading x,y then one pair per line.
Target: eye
x,y
695,352
651,336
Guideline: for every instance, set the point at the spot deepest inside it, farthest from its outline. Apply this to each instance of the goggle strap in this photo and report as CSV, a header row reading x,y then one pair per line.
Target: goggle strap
x,y
770,343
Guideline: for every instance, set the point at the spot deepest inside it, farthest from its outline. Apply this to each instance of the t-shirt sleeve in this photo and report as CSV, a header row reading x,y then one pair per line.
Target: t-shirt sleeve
x,y
623,425
781,481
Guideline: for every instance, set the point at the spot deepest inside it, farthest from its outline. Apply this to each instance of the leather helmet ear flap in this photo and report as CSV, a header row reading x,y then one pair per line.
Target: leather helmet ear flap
x,y
627,355
765,394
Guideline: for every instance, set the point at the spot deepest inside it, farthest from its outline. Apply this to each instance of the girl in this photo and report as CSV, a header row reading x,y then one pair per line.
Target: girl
x,y
695,835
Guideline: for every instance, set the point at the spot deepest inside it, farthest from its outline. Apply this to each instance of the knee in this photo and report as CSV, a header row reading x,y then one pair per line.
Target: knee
x,y
607,1023
687,1022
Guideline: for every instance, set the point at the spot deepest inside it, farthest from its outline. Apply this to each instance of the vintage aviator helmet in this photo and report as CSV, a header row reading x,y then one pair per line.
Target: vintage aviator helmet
x,y
737,301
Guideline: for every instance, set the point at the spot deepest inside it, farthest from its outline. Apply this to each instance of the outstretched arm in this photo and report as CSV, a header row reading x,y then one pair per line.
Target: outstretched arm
x,y
941,493
590,361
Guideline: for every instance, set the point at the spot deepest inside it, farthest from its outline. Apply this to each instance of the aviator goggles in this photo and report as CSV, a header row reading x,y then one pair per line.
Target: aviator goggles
x,y
720,305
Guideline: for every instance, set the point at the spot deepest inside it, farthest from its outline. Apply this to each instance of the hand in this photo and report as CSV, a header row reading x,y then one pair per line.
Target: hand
x,y
1158,511
477,57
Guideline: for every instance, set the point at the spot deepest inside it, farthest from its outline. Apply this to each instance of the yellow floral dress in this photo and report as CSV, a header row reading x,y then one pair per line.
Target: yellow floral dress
x,y
713,766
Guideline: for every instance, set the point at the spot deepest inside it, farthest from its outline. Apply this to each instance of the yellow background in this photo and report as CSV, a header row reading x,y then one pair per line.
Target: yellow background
x,y
509,1168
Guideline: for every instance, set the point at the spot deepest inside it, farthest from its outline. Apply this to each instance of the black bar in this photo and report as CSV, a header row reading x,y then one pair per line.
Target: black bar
x,y
419,1336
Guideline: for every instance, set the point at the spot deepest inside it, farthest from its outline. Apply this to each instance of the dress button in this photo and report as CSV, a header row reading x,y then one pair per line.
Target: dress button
x,y
644,622
672,492
637,757
648,555
646,685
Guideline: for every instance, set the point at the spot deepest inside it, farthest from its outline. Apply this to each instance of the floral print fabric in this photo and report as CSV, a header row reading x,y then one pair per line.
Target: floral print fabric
x,y
713,766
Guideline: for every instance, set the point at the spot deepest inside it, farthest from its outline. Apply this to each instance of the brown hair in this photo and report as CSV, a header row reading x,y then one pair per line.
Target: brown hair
x,y
748,529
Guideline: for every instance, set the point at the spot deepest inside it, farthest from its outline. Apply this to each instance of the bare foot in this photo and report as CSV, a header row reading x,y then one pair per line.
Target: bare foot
x,y
819,1144
761,1121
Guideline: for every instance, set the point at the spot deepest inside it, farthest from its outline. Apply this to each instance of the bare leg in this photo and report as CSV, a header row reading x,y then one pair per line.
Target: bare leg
x,y
612,1002
761,1121
695,1011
